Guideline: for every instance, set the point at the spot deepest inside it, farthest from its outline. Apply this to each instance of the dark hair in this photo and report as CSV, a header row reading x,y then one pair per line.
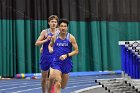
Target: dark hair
x,y
52,17
63,21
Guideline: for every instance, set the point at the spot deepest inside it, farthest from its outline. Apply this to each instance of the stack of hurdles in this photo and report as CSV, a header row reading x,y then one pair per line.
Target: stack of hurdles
x,y
130,81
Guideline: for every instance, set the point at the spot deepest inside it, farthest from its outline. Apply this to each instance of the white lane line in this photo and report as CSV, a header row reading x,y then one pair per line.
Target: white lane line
x,y
74,83
86,89
70,83
29,82
17,84
5,83
19,87
78,86
71,78
17,81
82,78
26,90
21,81
88,78
40,88
81,82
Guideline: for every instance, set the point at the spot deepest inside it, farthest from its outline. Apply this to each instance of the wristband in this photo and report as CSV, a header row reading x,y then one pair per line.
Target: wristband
x,y
67,55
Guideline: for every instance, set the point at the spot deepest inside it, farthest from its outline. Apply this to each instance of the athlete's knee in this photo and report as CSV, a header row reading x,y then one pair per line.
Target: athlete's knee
x,y
45,80
58,83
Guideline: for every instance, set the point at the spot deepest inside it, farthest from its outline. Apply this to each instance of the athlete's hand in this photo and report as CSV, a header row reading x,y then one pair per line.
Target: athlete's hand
x,y
50,50
63,57
49,37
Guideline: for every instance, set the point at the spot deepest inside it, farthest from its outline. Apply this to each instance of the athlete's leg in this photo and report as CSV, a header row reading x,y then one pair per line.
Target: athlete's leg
x,y
50,83
65,78
44,81
45,66
56,79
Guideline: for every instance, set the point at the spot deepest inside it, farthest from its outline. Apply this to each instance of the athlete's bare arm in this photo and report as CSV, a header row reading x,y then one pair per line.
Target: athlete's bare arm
x,y
42,39
50,47
75,46
74,52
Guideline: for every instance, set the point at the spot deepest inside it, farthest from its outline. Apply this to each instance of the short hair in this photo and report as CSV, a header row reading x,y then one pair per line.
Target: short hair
x,y
52,17
63,21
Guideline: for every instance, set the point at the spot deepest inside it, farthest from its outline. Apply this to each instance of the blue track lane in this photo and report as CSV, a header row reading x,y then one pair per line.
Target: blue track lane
x,y
75,82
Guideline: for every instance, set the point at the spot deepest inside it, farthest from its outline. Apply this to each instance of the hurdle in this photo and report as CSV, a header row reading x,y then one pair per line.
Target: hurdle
x,y
130,66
